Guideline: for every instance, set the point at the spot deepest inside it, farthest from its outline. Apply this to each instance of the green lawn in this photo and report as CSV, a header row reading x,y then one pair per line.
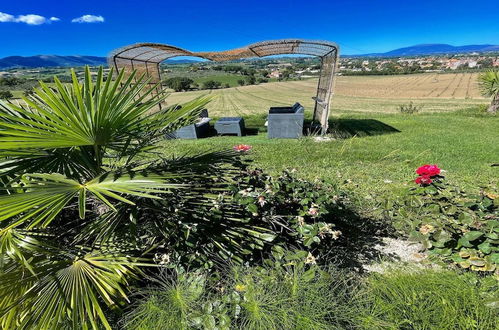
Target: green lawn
x,y
226,78
382,151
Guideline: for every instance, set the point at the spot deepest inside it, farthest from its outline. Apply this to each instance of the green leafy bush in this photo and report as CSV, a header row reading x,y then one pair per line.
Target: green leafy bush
x,y
303,207
453,225
239,218
179,84
6,95
211,84
425,299
314,216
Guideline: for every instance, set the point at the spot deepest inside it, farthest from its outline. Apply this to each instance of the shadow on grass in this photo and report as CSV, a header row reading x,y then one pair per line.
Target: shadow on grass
x,y
347,128
359,242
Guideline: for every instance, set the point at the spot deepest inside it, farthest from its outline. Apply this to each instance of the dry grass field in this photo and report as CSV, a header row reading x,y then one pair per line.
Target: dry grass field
x,y
435,92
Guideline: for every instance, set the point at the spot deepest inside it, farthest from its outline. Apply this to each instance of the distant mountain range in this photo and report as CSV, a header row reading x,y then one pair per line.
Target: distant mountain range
x,y
71,61
39,61
50,61
432,49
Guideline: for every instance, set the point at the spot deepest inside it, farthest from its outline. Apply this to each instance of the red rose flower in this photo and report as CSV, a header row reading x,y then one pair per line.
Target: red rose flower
x,y
428,170
423,180
242,147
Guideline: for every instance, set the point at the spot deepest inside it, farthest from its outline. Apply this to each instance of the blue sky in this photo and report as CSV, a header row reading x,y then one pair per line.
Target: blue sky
x,y
61,28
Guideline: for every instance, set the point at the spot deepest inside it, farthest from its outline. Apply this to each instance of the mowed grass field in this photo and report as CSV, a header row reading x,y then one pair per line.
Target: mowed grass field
x,y
434,92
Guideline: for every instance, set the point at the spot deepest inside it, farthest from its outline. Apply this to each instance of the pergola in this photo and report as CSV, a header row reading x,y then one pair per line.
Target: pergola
x,y
146,58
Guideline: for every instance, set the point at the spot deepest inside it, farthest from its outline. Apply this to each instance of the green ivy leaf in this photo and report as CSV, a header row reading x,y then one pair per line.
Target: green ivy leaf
x,y
308,241
479,262
253,208
452,210
493,236
465,264
465,218
472,235
485,247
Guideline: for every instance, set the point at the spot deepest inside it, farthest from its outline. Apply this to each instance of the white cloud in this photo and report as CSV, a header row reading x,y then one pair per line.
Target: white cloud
x,y
6,18
88,19
30,19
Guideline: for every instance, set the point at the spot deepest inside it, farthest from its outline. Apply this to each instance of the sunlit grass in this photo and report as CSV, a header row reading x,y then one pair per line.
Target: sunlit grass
x,y
424,299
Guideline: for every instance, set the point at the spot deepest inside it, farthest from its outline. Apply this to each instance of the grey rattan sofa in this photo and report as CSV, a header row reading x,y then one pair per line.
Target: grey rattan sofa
x,y
199,129
285,122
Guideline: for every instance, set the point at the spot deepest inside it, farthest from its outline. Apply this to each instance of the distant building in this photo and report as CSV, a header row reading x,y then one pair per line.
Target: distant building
x,y
454,63
275,74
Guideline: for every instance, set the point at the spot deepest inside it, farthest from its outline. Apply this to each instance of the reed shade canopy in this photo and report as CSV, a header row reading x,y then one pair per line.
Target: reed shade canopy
x,y
146,58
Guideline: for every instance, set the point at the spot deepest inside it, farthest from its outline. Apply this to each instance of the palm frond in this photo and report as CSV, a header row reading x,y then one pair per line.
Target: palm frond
x,y
77,114
72,162
20,246
69,290
45,195
488,82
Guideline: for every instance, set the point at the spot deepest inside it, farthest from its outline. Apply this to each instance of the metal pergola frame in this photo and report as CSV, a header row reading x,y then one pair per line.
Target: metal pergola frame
x,y
146,58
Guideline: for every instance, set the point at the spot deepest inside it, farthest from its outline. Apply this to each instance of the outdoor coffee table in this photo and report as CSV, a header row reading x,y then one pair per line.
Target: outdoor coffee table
x,y
230,125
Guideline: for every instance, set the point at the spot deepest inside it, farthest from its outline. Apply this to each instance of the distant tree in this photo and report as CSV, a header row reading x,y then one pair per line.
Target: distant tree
x,y
486,63
10,81
489,86
262,80
226,85
5,95
212,84
264,73
179,84
241,82
234,68
251,80
28,92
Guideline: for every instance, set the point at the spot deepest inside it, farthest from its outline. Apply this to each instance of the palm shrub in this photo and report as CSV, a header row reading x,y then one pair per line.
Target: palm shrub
x,y
73,158
489,86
